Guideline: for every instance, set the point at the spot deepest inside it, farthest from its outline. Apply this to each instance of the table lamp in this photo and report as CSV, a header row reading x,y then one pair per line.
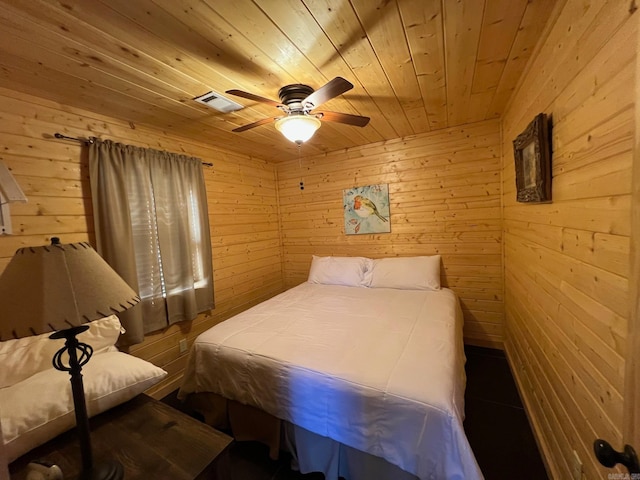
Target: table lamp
x,y
59,288
4,463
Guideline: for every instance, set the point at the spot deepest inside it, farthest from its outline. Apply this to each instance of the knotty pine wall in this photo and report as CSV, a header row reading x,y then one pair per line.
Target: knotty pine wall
x,y
566,263
54,176
444,191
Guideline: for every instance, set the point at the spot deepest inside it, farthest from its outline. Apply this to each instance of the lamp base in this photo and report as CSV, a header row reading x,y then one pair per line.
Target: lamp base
x,y
110,470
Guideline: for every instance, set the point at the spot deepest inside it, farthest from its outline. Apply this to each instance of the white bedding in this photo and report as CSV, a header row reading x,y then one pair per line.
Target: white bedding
x,y
379,370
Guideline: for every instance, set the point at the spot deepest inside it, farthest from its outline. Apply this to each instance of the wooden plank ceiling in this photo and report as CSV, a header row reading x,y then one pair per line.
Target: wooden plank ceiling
x,y
417,65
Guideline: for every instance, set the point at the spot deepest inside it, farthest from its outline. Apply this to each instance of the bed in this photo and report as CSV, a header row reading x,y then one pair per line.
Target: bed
x,y
363,374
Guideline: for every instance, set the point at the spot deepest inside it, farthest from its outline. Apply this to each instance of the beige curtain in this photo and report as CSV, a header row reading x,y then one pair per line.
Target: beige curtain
x,y
151,223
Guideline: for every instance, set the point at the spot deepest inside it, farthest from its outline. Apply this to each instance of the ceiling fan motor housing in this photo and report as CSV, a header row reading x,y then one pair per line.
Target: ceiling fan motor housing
x,y
293,95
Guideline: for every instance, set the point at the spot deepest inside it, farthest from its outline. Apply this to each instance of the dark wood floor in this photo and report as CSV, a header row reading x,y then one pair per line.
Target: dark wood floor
x,y
496,426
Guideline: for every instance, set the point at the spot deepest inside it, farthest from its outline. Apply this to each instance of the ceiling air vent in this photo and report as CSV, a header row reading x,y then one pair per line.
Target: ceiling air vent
x,y
218,102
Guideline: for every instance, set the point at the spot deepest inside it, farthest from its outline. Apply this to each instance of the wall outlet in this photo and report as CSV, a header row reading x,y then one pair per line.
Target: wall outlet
x,y
183,348
576,467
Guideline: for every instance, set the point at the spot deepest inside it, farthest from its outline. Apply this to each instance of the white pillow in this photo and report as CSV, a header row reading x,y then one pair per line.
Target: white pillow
x,y
24,357
347,271
102,334
406,273
41,407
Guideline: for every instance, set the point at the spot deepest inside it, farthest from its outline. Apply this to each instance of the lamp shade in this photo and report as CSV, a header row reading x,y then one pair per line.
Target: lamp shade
x,y
298,128
58,286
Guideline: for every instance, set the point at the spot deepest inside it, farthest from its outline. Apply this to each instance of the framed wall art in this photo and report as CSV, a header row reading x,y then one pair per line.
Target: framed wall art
x,y
532,154
366,210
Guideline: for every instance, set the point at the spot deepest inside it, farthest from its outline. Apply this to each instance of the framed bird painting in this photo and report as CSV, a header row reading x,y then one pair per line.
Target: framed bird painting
x,y
366,210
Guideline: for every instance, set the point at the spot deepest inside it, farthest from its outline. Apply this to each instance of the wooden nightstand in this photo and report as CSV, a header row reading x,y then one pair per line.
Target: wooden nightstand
x,y
150,439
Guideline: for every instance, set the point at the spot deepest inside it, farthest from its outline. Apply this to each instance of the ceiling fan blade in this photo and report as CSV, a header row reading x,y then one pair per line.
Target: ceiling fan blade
x,y
254,124
355,120
251,96
329,90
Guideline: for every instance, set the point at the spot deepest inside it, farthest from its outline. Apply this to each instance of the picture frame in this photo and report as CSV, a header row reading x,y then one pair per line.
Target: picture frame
x,y
366,210
532,155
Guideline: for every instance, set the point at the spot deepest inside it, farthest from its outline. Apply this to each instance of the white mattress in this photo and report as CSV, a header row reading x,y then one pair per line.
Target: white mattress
x,y
379,370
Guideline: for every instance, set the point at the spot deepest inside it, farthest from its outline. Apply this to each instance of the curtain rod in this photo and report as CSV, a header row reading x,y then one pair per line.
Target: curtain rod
x,y
91,140
88,141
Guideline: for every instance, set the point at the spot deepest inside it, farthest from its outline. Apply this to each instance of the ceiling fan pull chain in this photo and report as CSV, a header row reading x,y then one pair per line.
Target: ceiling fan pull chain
x,y
300,166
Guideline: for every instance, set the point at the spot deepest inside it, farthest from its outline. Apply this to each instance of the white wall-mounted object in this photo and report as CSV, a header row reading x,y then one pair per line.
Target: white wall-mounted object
x,y
10,192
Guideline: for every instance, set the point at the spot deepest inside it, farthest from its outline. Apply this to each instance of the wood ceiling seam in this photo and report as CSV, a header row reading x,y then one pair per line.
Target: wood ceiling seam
x,y
301,61
561,46
190,49
344,102
150,107
432,102
360,59
508,57
336,132
104,74
519,53
402,85
184,75
104,51
463,37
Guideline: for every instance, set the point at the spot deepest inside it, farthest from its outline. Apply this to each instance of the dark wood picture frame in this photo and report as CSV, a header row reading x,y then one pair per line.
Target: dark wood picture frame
x,y
532,154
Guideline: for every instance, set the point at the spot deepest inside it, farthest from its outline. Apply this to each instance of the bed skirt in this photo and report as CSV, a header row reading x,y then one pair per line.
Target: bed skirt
x,y
310,452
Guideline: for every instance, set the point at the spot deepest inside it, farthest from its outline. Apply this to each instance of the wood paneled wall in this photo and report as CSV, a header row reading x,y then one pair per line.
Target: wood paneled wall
x,y
54,175
566,262
444,191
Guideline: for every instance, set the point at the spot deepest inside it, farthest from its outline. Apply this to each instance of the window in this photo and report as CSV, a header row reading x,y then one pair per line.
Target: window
x,y
152,226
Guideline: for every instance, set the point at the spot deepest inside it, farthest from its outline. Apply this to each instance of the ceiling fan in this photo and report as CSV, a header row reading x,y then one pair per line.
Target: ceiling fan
x,y
298,102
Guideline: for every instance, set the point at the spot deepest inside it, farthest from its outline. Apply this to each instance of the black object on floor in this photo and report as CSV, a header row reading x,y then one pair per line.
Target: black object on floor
x,y
495,423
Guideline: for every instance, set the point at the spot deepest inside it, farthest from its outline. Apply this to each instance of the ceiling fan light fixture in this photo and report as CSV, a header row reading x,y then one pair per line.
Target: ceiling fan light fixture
x,y
298,128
